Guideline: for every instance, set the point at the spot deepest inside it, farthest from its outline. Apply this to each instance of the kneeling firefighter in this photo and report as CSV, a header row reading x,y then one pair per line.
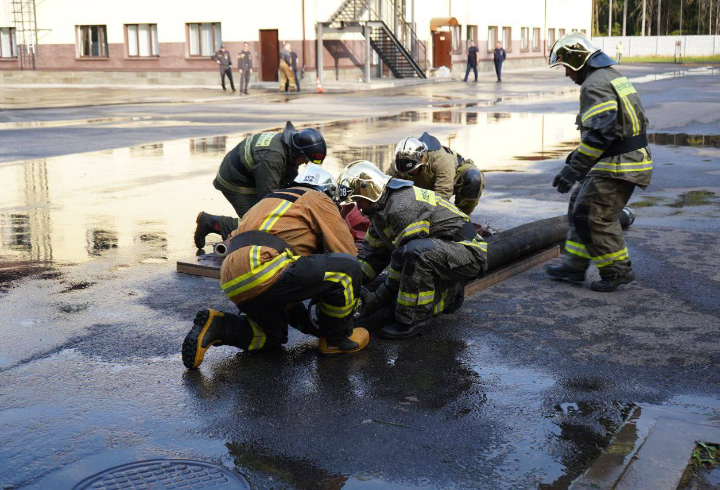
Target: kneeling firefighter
x,y
259,165
432,166
430,245
275,260
613,158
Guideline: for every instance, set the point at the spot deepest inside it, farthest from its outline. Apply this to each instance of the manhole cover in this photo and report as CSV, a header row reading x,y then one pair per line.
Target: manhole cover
x,y
163,473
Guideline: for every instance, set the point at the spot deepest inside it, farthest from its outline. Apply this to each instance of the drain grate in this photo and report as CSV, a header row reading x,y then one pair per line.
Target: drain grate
x,y
161,474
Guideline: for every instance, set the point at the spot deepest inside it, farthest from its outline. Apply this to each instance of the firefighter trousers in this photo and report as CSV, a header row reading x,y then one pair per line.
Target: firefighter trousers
x,y
332,279
425,270
286,77
595,233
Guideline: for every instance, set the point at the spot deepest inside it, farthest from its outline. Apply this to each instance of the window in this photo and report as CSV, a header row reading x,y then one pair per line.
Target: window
x,y
203,39
456,41
472,34
142,40
507,38
551,37
492,38
561,33
8,46
584,31
536,39
524,39
92,42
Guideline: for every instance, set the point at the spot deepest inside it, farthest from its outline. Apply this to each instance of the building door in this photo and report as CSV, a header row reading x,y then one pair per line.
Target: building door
x,y
442,47
269,55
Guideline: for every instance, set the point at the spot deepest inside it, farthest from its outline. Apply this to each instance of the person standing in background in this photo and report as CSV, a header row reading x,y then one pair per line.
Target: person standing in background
x,y
245,67
287,77
472,54
499,56
618,52
224,61
293,65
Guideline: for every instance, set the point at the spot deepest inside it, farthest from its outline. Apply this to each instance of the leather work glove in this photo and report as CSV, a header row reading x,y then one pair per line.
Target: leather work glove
x,y
372,302
565,180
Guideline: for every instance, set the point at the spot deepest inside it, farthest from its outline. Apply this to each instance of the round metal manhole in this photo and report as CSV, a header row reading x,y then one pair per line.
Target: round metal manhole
x,y
163,473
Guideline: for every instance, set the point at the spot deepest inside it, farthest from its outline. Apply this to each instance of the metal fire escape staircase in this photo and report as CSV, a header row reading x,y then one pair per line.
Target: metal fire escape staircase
x,y
400,54
26,32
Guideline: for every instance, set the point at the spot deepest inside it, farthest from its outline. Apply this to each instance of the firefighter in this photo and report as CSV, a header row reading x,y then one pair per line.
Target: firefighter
x,y
430,245
613,158
256,167
438,168
275,261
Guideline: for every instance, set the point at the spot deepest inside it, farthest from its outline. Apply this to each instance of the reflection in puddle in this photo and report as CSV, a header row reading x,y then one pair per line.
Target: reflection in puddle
x,y
216,144
704,71
683,139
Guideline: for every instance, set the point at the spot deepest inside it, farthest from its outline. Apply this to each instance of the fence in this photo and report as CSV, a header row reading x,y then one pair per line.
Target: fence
x,y
660,45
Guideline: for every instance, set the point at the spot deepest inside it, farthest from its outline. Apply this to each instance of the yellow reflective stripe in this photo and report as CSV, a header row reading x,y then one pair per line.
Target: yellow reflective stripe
x,y
576,249
275,215
451,207
624,88
346,282
643,166
255,257
440,305
259,337
607,259
256,276
481,244
600,108
407,299
412,229
337,311
265,138
589,150
235,188
367,269
374,242
394,274
425,196
388,232
248,152
425,297
633,116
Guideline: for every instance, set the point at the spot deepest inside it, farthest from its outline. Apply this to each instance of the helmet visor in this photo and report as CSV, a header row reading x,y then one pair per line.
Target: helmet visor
x,y
405,165
572,51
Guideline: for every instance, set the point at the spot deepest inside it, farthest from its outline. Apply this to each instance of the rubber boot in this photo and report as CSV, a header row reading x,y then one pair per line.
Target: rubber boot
x,y
206,224
565,273
355,342
609,284
400,331
207,330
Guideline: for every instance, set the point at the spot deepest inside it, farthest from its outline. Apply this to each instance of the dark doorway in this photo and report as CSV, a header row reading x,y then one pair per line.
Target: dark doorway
x,y
442,47
269,55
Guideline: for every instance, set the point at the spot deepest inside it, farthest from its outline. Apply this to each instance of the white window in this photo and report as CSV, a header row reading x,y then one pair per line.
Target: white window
x,y
204,39
561,33
472,34
507,38
536,39
142,40
92,42
551,37
456,42
8,46
524,39
492,38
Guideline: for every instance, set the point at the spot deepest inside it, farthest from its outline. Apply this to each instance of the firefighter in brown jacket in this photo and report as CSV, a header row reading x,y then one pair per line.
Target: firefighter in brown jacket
x,y
275,261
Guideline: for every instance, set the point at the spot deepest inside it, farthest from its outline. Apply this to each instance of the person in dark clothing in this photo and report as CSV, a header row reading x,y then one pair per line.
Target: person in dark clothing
x,y
245,67
472,60
293,65
498,57
224,61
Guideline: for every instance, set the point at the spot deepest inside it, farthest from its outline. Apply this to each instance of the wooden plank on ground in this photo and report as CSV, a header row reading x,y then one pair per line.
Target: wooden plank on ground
x,y
506,272
207,265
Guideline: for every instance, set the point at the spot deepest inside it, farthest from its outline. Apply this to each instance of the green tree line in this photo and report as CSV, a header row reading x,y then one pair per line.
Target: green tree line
x,y
661,17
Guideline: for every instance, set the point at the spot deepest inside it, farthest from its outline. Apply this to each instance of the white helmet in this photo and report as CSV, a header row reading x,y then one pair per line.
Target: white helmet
x,y
410,153
317,178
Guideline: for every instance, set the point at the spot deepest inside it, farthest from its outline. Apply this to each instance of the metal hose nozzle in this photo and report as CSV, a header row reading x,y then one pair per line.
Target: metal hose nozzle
x,y
221,249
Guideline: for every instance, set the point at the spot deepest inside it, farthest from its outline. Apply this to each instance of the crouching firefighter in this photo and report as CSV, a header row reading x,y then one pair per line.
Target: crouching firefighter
x,y
430,245
432,166
259,165
276,261
613,158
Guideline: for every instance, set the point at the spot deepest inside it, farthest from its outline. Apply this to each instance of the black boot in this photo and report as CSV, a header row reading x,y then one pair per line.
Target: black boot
x,y
456,298
206,224
566,273
609,284
400,331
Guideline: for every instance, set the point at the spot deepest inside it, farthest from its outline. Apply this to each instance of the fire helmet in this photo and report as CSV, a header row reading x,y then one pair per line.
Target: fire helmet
x,y
361,180
572,51
310,144
410,153
316,177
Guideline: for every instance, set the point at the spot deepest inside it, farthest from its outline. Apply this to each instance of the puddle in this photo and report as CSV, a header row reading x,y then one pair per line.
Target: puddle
x,y
704,71
694,198
684,139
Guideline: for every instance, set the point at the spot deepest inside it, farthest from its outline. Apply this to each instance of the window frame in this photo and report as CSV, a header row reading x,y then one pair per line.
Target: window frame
x,y
102,42
471,29
524,39
217,40
507,42
551,38
536,41
13,45
561,32
492,38
152,39
456,35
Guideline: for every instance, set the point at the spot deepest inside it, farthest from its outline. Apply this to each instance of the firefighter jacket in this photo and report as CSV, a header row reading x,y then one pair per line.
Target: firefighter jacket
x,y
310,223
610,111
258,165
410,213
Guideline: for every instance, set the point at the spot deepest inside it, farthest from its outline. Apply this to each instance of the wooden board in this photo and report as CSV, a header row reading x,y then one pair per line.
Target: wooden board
x,y
207,265
513,268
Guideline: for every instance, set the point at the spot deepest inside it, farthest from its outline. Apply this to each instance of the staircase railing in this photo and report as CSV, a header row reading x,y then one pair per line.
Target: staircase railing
x,y
390,35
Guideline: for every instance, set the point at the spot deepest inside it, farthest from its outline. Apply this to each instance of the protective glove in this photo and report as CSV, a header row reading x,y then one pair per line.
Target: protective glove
x,y
372,302
565,180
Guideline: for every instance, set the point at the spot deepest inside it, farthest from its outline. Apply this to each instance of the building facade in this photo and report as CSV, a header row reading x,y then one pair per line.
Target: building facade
x,y
179,36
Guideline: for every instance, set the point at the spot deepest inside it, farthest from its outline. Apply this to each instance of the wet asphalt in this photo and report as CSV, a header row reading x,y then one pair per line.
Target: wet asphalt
x,y
523,387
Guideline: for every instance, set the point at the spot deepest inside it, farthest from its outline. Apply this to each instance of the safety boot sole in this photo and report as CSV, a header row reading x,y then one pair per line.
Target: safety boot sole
x,y
360,336
604,287
578,278
395,334
193,352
